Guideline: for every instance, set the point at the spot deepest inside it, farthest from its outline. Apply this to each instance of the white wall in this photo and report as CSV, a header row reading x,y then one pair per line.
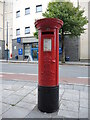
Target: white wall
x,y
26,20
84,37
1,20
9,19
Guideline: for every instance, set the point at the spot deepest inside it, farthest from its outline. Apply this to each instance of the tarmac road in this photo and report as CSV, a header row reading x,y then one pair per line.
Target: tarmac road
x,y
67,73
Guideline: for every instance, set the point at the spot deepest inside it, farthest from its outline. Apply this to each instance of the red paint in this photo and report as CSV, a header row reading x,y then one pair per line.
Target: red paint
x,y
48,60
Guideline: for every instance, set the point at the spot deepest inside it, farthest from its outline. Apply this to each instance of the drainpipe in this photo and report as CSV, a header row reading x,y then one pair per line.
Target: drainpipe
x,y
77,3
4,20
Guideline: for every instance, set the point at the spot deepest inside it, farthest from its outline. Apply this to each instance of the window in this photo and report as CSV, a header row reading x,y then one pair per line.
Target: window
x,y
27,11
39,8
17,32
27,30
18,14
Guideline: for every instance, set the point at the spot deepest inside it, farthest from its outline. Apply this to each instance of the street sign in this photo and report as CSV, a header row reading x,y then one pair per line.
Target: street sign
x,y
59,37
18,40
20,51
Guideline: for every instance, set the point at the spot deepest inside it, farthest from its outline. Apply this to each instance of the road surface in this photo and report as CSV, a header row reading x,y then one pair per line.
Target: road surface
x,y
67,73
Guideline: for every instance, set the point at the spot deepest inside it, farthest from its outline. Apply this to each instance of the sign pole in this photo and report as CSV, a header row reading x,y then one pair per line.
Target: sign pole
x,y
7,42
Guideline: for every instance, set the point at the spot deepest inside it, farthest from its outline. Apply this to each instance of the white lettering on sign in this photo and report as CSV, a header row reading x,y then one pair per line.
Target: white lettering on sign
x,y
47,45
0,48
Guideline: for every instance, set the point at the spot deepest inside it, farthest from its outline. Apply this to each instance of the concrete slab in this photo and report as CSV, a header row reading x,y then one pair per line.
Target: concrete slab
x,y
12,99
11,87
67,114
30,99
35,91
83,112
79,87
37,114
84,95
6,93
70,96
22,92
69,105
5,107
16,112
84,103
25,105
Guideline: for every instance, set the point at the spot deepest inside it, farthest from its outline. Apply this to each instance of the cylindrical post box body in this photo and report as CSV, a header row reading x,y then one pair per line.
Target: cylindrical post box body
x,y
48,64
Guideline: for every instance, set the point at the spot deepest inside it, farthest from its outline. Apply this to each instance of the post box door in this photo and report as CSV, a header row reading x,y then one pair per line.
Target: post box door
x,y
48,54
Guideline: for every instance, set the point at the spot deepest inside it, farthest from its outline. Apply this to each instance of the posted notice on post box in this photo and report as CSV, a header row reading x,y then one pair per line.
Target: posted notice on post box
x,y
47,44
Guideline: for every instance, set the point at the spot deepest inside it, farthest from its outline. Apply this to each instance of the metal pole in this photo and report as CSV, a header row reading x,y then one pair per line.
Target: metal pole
x,y
77,3
7,41
3,20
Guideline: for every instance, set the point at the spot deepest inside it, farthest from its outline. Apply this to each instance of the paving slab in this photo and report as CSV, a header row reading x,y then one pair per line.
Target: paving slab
x,y
69,105
13,87
23,96
84,95
12,99
35,91
22,92
67,114
0,108
79,87
61,92
16,112
31,87
25,105
5,107
30,99
84,103
6,93
72,91
35,113
83,112
70,97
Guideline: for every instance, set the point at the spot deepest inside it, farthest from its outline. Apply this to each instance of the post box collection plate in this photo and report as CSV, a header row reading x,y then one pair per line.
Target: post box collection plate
x,y
47,45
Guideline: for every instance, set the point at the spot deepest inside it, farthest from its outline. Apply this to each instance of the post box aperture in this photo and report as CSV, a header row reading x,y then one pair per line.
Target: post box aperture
x,y
48,64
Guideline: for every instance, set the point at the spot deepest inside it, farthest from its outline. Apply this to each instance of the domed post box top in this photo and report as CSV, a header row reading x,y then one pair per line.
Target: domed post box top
x,y
48,23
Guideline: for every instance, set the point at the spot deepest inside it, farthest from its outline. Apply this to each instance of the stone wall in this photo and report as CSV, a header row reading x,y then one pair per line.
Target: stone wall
x,y
2,49
72,48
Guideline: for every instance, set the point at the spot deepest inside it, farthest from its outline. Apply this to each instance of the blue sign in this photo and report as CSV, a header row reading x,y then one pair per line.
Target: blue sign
x,y
18,40
59,37
20,51
60,50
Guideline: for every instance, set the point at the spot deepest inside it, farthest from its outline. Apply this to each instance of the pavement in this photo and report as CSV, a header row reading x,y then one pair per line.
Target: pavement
x,y
18,99
36,62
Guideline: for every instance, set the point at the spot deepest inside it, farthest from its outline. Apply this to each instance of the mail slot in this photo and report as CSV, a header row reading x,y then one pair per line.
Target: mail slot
x,y
48,64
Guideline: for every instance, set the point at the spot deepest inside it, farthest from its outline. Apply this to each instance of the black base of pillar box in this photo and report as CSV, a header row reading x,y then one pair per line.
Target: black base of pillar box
x,y
48,99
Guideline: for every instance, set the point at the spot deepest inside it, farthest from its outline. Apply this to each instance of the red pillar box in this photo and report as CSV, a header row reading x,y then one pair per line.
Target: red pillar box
x,y
48,66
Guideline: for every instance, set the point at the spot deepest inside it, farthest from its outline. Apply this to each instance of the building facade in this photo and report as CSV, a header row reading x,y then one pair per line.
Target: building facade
x,y
85,38
21,16
24,15
6,16
2,42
